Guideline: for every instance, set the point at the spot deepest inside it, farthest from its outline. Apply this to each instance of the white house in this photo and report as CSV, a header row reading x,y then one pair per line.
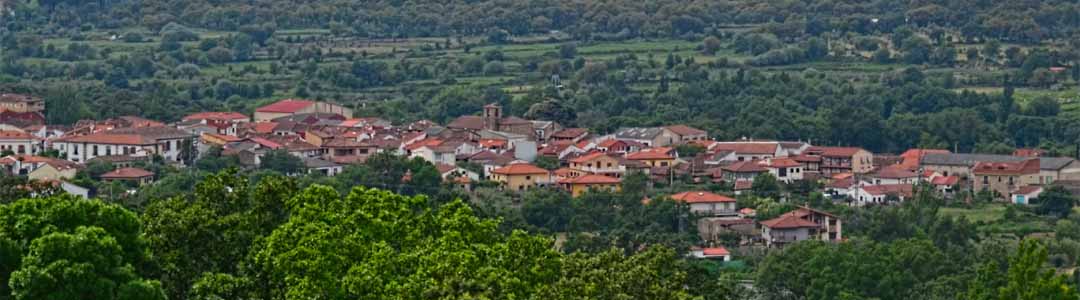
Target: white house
x,y
19,142
1026,193
784,169
141,142
718,253
707,204
879,194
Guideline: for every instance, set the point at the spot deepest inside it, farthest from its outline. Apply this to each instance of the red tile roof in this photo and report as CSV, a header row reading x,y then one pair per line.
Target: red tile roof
x,y
127,173
286,106
226,116
467,122
701,197
519,169
1028,189
913,157
14,135
651,154
590,179
945,180
895,172
789,220
428,142
587,157
718,251
570,133
1029,166
747,147
265,127
841,183
684,130
782,162
807,158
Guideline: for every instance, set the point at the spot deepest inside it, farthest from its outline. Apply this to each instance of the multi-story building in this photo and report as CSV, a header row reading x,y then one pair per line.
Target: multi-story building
x,y
21,103
19,142
1004,178
289,107
836,160
521,176
140,142
802,224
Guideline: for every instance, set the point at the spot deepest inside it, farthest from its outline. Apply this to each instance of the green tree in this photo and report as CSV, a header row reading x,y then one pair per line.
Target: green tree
x,y
86,264
766,185
281,161
1056,201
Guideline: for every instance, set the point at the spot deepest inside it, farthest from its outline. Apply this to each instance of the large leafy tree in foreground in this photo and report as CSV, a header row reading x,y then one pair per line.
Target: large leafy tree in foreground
x,y
67,248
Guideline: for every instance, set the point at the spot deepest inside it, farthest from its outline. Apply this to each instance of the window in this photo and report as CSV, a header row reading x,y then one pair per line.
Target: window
x,y
528,177
22,149
76,149
108,150
663,164
168,146
95,150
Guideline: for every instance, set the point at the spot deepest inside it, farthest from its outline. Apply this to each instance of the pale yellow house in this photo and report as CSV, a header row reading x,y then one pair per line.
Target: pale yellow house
x,y
592,182
521,176
52,171
655,157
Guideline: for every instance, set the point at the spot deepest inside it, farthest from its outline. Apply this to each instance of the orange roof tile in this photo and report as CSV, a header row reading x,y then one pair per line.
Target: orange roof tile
x,y
788,221
701,197
718,251
1029,166
651,154
587,157
127,173
286,106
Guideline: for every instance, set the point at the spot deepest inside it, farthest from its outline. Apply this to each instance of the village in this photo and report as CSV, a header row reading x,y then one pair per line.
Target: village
x,y
519,155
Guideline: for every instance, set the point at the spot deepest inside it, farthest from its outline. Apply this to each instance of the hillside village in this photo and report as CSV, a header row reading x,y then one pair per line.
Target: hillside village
x,y
519,155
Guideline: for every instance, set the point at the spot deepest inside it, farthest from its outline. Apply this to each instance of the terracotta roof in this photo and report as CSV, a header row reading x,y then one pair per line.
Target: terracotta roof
x,y
127,173
226,138
651,154
588,157
747,147
945,180
428,142
1029,166
895,172
913,157
15,135
513,121
570,133
789,220
718,251
519,169
591,179
701,197
684,130
286,106
265,127
835,151
782,162
745,167
747,211
228,116
1028,189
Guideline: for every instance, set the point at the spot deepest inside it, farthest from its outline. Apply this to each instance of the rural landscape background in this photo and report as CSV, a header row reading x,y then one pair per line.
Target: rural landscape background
x,y
884,77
